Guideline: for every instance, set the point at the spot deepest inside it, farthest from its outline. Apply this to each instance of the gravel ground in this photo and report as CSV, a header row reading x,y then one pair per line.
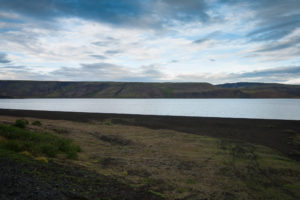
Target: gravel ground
x,y
34,180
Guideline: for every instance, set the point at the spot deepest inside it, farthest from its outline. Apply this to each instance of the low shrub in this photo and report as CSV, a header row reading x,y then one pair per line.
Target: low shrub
x,y
12,145
37,123
72,155
49,150
115,139
21,123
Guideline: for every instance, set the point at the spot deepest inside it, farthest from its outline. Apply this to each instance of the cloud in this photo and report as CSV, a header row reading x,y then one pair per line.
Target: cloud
x,y
218,39
108,72
14,67
151,72
12,72
101,57
97,71
286,48
148,73
107,41
113,52
4,59
208,37
280,45
188,10
46,9
272,75
275,31
139,13
274,19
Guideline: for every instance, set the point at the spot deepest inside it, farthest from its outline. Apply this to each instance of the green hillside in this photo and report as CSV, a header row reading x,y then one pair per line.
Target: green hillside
x,y
55,89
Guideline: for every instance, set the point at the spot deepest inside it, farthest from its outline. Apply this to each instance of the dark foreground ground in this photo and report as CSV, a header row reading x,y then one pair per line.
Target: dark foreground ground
x,y
157,157
23,180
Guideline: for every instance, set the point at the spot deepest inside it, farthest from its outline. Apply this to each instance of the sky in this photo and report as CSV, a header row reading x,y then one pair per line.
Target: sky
x,y
215,41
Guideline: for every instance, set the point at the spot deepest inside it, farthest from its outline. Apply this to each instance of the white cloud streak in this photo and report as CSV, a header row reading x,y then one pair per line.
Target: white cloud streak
x,y
214,45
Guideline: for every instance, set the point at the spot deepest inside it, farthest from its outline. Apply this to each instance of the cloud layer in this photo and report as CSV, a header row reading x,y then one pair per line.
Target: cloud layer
x,y
3,58
154,40
152,73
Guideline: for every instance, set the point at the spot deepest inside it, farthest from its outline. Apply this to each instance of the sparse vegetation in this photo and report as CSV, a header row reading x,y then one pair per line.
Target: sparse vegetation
x,y
158,194
37,123
21,123
180,165
18,139
171,164
107,122
115,139
259,172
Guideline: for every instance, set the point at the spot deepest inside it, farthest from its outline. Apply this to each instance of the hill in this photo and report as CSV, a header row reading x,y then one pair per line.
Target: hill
x,y
265,90
56,89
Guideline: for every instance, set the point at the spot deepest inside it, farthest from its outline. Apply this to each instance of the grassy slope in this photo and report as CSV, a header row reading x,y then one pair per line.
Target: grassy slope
x,y
260,90
179,165
182,165
29,170
32,143
54,89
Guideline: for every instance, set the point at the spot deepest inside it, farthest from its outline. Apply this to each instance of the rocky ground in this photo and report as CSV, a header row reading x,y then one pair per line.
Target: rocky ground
x,y
22,180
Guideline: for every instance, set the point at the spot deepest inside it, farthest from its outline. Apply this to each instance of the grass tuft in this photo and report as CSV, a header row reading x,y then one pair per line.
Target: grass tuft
x,y
37,123
38,144
163,196
21,123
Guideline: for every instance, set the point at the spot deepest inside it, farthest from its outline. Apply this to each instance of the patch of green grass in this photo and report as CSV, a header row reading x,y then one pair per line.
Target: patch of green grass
x,y
38,144
259,171
72,155
36,123
14,156
158,194
190,181
167,92
61,131
107,122
295,188
21,123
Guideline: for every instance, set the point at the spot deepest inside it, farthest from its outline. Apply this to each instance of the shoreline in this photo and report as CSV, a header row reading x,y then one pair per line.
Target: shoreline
x,y
86,116
276,134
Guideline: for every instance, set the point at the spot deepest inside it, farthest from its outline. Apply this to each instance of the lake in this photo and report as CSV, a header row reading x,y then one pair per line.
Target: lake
x,y
288,109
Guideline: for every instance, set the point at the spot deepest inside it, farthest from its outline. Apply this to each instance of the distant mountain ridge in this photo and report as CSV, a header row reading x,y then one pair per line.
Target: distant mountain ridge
x,y
57,89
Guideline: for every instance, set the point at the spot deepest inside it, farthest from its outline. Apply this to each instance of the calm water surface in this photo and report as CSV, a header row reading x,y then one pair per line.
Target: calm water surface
x,y
234,108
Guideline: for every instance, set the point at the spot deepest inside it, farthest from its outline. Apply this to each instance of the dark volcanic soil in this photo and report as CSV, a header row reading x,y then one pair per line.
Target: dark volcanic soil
x,y
51,181
277,134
